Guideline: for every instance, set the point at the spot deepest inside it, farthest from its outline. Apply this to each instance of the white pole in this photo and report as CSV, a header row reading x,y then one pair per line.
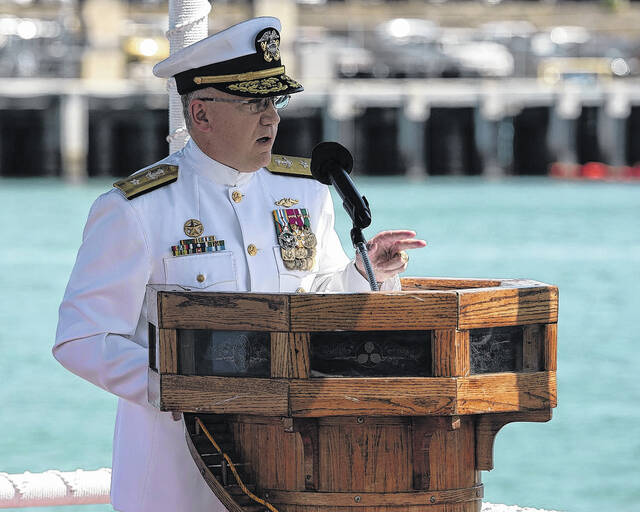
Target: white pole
x,y
188,23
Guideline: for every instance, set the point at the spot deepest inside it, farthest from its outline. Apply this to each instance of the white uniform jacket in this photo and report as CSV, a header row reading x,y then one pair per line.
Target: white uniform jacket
x,y
102,329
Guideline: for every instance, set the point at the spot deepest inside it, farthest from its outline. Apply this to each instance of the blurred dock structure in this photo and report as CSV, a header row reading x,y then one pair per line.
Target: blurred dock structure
x,y
78,99
74,128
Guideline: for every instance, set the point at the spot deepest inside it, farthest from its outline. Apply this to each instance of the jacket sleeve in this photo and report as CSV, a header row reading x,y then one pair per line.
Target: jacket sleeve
x,y
336,272
103,302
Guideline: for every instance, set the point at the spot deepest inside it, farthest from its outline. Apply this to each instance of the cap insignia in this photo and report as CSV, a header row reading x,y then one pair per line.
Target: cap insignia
x,y
268,42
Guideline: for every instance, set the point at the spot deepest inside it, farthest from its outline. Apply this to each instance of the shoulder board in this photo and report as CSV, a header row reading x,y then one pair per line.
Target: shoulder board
x,y
290,166
147,180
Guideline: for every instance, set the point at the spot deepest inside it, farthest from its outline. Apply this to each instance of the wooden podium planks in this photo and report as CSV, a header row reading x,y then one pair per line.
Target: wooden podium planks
x,y
361,402
373,312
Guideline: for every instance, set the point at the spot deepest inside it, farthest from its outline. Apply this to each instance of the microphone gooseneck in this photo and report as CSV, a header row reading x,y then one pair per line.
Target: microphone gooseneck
x,y
331,164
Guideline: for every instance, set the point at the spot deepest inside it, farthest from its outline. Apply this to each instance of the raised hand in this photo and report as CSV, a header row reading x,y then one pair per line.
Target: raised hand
x,y
387,252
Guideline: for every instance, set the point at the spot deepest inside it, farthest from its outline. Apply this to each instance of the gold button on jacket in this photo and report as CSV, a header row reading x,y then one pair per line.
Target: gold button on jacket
x,y
252,250
200,278
236,196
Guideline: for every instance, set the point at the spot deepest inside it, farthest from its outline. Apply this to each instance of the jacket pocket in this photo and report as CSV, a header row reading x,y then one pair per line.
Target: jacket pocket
x,y
210,271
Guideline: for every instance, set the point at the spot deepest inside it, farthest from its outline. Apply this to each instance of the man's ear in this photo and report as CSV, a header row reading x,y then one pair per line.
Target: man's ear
x,y
199,117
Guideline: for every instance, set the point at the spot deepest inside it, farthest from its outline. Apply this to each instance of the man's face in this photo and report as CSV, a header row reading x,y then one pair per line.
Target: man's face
x,y
235,136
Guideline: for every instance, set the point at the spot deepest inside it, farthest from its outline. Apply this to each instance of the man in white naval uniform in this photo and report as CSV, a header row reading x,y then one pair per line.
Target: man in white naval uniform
x,y
231,83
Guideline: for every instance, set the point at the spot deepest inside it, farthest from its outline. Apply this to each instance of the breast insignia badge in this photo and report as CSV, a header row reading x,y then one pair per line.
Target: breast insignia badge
x,y
197,243
297,241
287,202
193,228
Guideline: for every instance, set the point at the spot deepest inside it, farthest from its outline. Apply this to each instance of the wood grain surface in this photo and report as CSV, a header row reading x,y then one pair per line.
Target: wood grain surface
x,y
224,395
420,396
358,500
509,306
445,283
551,347
224,311
290,355
275,456
168,353
373,311
505,392
450,353
532,348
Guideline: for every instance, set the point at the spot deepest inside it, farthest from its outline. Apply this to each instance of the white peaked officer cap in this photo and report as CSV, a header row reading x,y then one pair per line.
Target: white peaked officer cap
x,y
243,60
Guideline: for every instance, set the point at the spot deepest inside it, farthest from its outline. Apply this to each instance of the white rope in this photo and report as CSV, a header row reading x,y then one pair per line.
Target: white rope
x,y
55,488
200,16
188,23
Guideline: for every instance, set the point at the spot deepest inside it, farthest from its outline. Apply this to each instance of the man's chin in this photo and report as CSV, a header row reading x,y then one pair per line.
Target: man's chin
x,y
265,158
261,160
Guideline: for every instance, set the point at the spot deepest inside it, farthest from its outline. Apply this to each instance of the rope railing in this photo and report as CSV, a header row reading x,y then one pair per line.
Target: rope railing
x,y
55,488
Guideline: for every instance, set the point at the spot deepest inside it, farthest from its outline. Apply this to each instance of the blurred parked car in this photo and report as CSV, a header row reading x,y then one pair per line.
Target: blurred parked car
x,y
480,58
573,53
417,48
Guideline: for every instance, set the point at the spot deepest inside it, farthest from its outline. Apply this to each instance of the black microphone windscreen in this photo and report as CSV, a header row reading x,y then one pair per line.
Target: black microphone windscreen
x,y
326,154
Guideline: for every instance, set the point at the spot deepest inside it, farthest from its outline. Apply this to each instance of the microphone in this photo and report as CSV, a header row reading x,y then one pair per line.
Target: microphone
x,y
331,164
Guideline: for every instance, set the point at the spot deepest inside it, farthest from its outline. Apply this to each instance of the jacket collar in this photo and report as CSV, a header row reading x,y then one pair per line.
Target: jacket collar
x,y
212,169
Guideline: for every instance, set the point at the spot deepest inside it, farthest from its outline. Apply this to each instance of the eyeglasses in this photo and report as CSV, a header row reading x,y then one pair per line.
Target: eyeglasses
x,y
258,105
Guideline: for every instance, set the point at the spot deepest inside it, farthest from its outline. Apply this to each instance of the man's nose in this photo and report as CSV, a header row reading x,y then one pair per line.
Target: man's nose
x,y
270,116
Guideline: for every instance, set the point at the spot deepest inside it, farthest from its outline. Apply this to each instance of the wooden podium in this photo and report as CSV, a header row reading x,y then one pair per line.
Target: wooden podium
x,y
354,402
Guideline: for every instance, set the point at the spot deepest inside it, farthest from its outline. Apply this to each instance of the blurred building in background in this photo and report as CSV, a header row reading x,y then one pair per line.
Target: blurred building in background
x,y
412,87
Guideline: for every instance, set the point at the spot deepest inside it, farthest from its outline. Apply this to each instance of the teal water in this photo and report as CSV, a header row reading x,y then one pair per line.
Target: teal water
x,y
583,237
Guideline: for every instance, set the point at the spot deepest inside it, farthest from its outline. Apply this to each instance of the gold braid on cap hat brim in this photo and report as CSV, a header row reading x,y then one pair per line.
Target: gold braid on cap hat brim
x,y
239,77
265,86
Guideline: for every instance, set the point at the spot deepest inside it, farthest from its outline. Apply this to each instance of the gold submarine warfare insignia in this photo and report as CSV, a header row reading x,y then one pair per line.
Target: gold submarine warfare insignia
x,y
193,228
287,202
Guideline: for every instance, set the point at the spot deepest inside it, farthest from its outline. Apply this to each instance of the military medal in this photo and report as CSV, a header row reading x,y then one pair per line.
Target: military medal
x,y
297,241
197,244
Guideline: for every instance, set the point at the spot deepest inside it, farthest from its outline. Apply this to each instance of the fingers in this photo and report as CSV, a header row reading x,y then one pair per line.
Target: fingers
x,y
403,245
386,245
390,236
387,252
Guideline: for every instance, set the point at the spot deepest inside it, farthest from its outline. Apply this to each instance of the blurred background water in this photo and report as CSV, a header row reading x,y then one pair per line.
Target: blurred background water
x,y
583,237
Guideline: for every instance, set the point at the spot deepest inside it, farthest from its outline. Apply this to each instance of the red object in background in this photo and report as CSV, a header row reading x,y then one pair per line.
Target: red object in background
x,y
594,171
564,170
